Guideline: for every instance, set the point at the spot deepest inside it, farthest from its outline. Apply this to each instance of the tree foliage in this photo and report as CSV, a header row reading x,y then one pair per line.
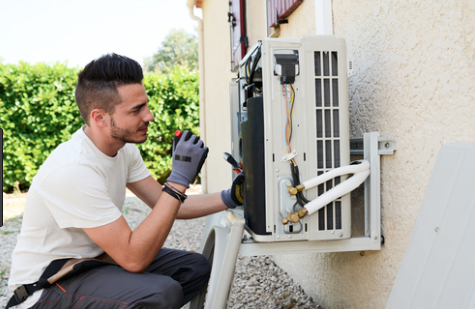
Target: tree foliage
x,y
179,48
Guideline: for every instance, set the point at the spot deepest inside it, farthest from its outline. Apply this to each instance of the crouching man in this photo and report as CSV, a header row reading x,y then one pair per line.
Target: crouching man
x,y
73,209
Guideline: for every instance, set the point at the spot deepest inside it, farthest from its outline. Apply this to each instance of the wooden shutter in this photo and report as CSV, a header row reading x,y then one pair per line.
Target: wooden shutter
x,y
238,32
282,8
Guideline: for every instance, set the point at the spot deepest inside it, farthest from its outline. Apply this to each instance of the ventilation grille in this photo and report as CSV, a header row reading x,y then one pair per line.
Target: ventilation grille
x,y
327,132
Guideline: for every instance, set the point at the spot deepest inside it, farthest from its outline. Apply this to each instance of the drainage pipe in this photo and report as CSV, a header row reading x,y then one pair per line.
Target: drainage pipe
x,y
204,174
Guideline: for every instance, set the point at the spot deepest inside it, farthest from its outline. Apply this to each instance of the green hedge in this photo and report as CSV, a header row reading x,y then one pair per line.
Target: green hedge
x,y
38,112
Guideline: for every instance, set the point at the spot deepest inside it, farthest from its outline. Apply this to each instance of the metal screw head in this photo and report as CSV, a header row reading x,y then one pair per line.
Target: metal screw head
x,y
277,170
436,229
387,145
278,236
290,236
341,235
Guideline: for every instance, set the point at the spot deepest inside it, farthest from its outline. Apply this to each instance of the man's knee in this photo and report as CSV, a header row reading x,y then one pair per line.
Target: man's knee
x,y
167,294
202,265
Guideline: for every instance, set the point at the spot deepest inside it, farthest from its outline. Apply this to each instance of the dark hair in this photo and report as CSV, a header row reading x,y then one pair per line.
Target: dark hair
x,y
99,80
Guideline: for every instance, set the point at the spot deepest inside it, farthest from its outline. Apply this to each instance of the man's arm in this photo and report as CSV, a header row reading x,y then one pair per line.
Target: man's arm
x,y
195,206
134,251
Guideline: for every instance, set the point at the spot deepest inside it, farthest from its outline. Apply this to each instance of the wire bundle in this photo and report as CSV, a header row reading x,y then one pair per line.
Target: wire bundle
x,y
289,108
249,72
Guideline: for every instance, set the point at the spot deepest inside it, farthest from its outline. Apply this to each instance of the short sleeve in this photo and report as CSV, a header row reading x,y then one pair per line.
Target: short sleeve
x,y
137,168
77,197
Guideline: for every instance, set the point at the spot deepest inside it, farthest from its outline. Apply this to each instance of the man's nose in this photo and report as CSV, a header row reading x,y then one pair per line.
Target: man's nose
x,y
148,115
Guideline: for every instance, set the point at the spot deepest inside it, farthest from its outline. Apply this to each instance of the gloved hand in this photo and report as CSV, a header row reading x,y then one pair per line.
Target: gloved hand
x,y
189,154
234,196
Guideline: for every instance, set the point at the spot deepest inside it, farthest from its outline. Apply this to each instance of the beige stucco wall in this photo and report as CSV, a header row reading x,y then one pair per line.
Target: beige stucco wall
x,y
256,24
301,21
415,80
217,76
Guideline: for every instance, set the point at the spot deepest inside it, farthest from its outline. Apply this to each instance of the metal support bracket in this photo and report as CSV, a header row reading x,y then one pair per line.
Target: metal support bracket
x,y
386,145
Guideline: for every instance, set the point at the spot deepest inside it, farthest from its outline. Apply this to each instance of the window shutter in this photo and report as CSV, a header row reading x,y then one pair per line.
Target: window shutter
x,y
280,8
238,34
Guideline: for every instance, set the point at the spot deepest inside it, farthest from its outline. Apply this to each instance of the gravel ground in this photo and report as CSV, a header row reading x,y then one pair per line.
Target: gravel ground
x,y
258,281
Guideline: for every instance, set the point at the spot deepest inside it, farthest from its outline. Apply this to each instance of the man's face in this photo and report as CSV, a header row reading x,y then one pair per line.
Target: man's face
x,y
129,122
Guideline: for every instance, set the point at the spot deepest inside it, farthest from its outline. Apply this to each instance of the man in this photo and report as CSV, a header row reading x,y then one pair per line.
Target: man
x,y
73,209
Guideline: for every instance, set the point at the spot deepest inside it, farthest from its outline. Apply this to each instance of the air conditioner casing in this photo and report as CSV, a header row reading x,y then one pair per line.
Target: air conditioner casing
x,y
320,135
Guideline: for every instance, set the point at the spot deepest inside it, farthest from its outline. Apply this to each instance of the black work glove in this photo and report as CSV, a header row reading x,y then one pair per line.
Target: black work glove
x,y
189,153
234,196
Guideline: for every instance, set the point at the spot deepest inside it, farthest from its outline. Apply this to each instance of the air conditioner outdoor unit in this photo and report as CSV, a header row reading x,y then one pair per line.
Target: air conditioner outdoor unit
x,y
290,124
290,131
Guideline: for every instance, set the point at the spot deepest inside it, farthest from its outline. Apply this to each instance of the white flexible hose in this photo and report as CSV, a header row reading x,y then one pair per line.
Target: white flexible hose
x,y
360,171
354,167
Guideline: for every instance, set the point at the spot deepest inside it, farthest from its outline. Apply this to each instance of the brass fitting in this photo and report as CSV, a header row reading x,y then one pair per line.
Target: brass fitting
x,y
292,190
294,218
302,212
297,189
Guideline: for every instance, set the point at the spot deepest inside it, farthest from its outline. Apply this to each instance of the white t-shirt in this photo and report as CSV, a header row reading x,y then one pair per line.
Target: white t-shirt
x,y
77,187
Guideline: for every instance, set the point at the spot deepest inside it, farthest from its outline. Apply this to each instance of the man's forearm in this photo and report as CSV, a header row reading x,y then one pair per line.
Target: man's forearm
x,y
197,206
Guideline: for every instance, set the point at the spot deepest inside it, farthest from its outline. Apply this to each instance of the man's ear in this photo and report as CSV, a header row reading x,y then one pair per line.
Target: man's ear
x,y
99,118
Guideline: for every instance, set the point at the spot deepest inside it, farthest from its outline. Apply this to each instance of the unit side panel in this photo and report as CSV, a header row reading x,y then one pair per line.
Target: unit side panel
x,y
276,104
327,85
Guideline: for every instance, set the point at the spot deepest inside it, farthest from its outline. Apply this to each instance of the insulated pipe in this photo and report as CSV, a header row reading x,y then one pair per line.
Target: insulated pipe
x,y
360,171
354,167
204,174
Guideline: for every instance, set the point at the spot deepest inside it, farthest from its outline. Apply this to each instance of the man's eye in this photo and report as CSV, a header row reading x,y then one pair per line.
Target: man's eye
x,y
136,111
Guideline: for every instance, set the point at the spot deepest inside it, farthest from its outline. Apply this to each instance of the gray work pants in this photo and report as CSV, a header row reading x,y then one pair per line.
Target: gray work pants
x,y
172,279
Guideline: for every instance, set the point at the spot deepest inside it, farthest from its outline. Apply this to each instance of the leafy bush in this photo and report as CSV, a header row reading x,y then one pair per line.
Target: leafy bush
x,y
38,112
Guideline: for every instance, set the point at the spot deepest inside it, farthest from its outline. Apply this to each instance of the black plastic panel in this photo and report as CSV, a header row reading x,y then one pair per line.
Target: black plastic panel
x,y
253,161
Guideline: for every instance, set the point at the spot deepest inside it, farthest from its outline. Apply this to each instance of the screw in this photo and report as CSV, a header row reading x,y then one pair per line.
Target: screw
x,y
278,236
387,145
277,170
290,236
341,235
436,229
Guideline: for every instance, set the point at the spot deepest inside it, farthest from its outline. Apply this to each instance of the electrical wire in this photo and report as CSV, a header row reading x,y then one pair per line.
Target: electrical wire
x,y
249,72
289,109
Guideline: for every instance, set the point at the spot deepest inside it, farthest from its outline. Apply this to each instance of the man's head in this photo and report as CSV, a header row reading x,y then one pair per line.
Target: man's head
x,y
110,95
98,83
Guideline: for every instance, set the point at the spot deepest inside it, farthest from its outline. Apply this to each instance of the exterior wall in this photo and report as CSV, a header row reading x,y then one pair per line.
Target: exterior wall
x,y
256,26
217,76
414,79
301,21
